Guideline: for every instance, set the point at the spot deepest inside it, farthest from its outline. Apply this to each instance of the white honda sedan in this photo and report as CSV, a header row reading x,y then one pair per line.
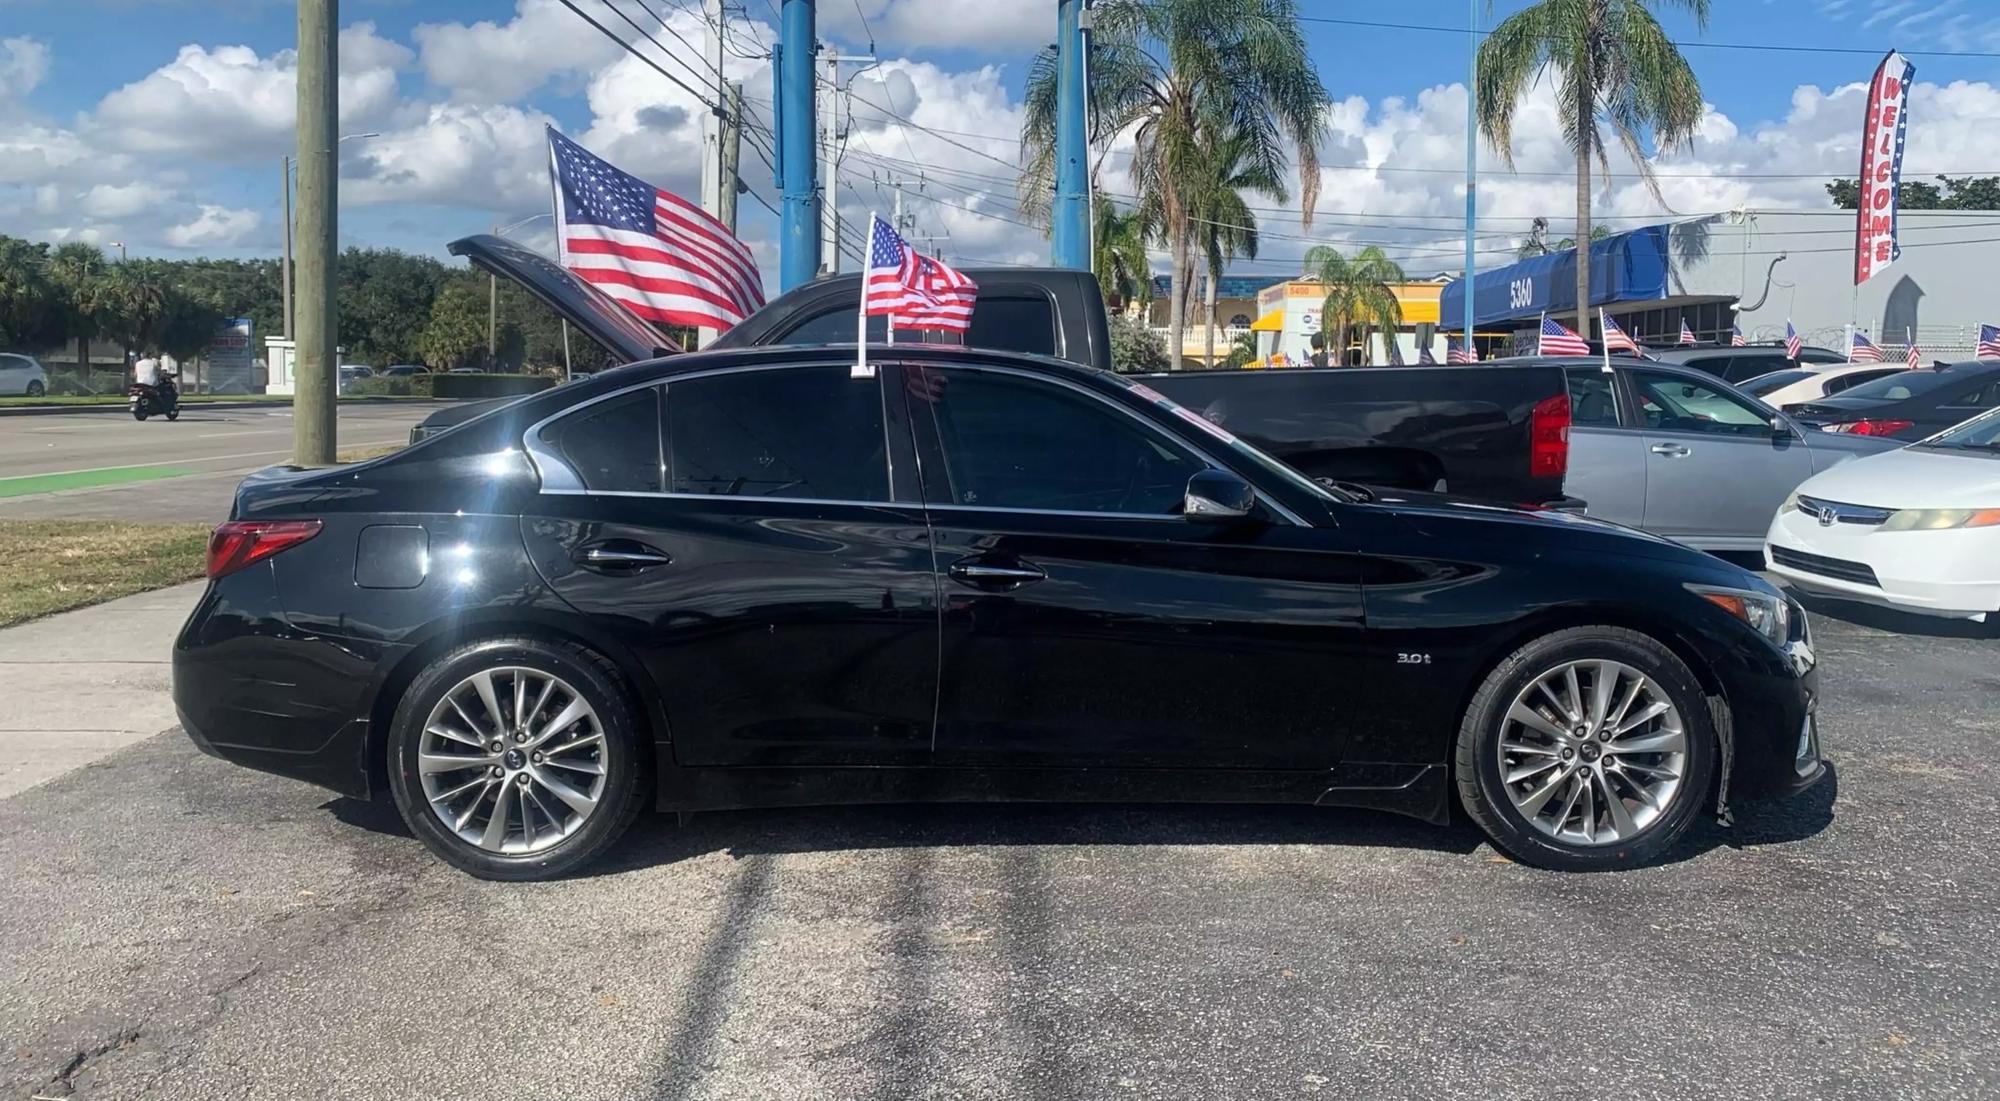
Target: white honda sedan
x,y
1916,528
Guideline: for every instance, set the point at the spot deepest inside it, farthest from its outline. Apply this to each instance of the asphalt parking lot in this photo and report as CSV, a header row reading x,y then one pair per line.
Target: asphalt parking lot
x,y
175,927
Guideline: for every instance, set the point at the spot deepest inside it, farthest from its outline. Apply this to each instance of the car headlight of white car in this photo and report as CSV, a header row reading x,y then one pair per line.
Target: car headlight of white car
x,y
1768,613
1941,519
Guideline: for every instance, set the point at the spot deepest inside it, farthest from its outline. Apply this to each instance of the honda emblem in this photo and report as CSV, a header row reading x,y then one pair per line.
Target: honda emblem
x,y
1825,517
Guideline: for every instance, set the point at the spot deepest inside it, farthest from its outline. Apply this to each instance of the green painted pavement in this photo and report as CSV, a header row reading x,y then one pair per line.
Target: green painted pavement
x,y
84,479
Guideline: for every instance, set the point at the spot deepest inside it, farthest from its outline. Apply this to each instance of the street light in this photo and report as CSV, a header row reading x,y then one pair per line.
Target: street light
x,y
120,246
285,276
493,290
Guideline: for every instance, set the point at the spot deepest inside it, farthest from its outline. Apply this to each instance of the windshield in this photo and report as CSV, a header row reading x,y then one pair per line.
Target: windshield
x,y
1902,384
1244,450
1764,384
1981,433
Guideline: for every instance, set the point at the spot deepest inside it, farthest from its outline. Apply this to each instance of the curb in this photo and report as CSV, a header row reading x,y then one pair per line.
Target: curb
x,y
196,403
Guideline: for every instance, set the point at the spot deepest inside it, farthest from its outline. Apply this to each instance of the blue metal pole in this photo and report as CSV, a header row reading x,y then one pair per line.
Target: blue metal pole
x,y
798,239
1471,155
1070,221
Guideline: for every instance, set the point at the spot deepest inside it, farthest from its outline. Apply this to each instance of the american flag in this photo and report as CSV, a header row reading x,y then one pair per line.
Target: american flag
x,y
1616,339
1687,334
662,257
1863,350
1558,340
1989,342
916,291
1912,354
1458,353
1736,337
1426,359
1792,341
1395,350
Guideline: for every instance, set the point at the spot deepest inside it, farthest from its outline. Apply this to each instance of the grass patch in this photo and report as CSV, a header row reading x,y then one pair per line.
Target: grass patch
x,y
56,565
363,454
192,401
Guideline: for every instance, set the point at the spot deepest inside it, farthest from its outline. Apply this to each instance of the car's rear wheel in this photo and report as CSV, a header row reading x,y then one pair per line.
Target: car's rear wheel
x,y
517,758
1587,749
36,389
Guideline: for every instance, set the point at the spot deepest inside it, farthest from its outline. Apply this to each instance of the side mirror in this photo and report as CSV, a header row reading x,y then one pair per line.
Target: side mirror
x,y
1218,495
1780,427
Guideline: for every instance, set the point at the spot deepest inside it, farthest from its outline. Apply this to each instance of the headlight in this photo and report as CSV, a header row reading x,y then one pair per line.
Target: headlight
x,y
1940,519
1768,613
1791,502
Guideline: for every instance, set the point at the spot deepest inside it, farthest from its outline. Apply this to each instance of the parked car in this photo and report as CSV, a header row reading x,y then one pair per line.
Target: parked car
x,y
351,373
22,375
1908,405
405,370
465,371
1475,431
1740,365
1916,529
745,578
1814,381
1680,453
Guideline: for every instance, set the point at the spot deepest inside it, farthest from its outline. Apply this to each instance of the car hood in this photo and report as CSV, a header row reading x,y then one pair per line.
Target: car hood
x,y
628,338
1912,477
1431,514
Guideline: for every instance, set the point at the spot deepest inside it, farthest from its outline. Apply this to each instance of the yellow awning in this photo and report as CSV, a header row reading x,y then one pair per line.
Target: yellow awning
x,y
1271,322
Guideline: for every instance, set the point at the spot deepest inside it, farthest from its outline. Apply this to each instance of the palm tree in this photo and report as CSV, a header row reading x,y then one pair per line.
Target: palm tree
x,y
1612,63
1118,243
78,270
1222,223
1178,74
135,301
1358,292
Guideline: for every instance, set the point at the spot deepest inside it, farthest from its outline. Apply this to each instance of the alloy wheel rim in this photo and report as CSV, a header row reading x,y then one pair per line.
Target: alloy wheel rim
x,y
512,760
1592,752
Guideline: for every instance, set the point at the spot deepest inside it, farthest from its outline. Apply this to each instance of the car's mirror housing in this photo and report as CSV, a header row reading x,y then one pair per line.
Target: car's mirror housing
x,y
1218,495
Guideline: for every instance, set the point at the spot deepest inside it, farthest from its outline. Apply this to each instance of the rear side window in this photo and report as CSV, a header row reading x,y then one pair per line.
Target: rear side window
x,y
834,326
1856,378
1901,385
1014,323
803,432
1590,399
1776,380
613,446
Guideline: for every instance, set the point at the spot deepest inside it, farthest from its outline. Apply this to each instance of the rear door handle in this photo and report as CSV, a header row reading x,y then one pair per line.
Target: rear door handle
x,y
620,556
987,575
1672,450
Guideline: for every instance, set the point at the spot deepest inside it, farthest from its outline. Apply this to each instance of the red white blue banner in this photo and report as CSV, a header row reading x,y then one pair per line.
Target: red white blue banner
x,y
1882,137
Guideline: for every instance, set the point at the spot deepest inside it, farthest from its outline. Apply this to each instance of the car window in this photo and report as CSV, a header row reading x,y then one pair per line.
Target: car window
x,y
1004,441
834,326
1979,397
1899,385
1815,355
1849,381
1014,323
614,445
1776,380
1671,403
1591,401
806,432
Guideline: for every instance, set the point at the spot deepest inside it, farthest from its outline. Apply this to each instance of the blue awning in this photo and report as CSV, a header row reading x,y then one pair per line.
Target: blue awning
x,y
1625,267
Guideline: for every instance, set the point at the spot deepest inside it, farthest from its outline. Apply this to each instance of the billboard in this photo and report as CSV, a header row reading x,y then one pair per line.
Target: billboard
x,y
231,362
1882,135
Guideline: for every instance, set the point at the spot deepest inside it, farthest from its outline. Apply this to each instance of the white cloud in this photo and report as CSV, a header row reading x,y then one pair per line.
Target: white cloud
x,y
112,202
23,64
491,62
214,227
1010,27
484,157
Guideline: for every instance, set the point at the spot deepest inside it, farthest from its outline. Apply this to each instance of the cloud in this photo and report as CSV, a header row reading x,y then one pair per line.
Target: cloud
x,y
23,64
214,227
491,157
115,201
1004,27
490,62
229,102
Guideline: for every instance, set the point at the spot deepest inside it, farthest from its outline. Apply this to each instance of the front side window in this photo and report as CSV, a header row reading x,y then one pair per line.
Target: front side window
x,y
1005,441
614,445
803,432
1671,403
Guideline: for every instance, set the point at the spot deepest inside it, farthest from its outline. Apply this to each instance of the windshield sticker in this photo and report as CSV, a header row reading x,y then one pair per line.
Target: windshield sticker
x,y
1149,393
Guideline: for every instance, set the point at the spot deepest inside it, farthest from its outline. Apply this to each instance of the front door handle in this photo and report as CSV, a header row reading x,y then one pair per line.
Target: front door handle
x,y
620,556
1672,450
986,575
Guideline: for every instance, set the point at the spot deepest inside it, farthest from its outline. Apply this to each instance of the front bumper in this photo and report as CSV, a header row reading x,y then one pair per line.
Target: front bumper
x,y
1773,716
1953,573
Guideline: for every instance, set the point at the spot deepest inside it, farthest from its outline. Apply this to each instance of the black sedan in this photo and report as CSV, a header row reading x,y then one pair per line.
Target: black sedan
x,y
747,578
1908,405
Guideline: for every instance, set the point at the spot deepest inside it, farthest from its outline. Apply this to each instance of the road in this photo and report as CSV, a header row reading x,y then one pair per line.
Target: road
x,y
172,926
108,466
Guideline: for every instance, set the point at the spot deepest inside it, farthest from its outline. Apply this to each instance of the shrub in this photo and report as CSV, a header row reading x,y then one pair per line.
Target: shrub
x,y
1135,347
72,385
398,386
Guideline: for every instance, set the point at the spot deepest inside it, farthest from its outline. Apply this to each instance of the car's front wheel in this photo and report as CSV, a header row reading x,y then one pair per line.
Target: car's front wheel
x,y
36,389
517,758
1587,749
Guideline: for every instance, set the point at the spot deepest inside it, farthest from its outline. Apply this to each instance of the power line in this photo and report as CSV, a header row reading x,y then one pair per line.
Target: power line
x,y
634,51
1684,44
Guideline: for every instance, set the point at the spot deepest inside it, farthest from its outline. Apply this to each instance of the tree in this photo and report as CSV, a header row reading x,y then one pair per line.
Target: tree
x,y
1135,346
1612,64
135,303
1181,75
455,334
1358,292
1223,225
386,298
77,271
28,301
1949,193
1124,274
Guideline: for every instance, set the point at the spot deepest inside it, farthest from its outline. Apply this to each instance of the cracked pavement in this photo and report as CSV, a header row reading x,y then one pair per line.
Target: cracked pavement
x,y
175,927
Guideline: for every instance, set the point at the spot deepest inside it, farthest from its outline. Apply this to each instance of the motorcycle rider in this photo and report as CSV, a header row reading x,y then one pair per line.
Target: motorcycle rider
x,y
150,375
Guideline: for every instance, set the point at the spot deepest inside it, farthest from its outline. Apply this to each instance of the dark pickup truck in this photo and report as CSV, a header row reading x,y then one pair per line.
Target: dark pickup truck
x,y
1493,432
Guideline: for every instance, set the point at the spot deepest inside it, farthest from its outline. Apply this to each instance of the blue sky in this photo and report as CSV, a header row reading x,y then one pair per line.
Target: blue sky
x,y
176,152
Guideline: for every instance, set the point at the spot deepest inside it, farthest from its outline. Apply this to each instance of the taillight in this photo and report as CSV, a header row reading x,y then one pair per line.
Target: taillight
x,y
1548,438
1871,428
235,544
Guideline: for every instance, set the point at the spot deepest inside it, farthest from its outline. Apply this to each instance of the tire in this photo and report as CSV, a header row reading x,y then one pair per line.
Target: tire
x,y
36,389
1540,819
174,414
138,412
534,841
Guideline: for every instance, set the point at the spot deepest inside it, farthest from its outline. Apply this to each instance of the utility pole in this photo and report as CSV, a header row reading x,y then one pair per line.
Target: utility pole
x,y
732,154
832,136
1472,166
798,241
711,128
285,273
313,375
1070,221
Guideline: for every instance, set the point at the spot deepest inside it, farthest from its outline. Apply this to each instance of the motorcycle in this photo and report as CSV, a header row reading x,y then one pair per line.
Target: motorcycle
x,y
164,398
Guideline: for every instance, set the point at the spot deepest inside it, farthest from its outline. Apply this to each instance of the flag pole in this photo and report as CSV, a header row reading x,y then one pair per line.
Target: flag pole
x,y
1604,335
861,368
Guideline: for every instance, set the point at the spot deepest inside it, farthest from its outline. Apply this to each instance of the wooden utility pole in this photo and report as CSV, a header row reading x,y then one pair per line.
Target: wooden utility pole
x,y
285,274
315,362
732,153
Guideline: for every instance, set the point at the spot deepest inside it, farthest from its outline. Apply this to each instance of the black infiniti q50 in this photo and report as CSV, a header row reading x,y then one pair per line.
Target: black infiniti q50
x,y
751,579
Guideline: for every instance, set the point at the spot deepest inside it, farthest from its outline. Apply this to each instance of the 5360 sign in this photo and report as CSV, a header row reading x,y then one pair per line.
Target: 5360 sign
x,y
1520,294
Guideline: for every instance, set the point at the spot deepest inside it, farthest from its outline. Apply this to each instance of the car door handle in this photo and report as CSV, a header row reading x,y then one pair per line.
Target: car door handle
x,y
1672,450
620,556
986,575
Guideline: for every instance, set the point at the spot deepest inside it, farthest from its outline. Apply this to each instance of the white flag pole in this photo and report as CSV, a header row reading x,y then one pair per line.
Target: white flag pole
x,y
861,368
1538,333
1850,342
1604,334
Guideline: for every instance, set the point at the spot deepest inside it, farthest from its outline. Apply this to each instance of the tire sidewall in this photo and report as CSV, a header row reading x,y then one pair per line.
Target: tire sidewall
x,y
624,758
1505,823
